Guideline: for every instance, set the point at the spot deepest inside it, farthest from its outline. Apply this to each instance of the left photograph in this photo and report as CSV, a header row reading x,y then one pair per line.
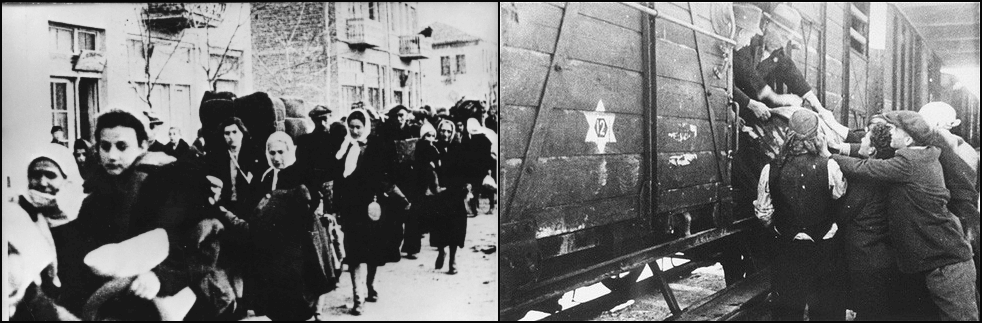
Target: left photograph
x,y
250,161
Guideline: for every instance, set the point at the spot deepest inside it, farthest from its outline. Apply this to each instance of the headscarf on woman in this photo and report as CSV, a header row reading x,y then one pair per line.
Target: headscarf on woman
x,y
289,156
806,136
31,245
63,206
453,129
427,128
354,143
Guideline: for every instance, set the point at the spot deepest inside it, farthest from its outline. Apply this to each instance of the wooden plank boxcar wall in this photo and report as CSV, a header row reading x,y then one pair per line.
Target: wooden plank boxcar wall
x,y
558,64
615,123
602,103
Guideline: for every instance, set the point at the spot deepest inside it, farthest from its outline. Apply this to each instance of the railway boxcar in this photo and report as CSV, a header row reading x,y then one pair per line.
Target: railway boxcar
x,y
621,145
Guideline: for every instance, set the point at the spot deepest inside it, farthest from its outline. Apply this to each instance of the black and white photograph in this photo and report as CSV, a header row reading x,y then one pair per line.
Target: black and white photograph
x,y
747,161
284,161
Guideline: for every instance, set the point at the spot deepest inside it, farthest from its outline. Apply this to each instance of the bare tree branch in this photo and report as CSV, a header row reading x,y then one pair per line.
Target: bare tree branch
x,y
274,76
299,22
221,61
172,53
137,90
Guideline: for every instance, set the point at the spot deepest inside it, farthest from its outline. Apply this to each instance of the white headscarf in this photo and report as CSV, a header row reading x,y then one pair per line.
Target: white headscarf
x,y
70,195
351,163
290,155
426,128
453,128
32,248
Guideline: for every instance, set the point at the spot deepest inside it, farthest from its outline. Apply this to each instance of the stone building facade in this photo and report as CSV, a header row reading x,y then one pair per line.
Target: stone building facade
x,y
462,65
339,53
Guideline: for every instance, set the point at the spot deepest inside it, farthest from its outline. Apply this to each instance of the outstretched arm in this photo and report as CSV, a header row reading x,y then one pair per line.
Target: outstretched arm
x,y
897,169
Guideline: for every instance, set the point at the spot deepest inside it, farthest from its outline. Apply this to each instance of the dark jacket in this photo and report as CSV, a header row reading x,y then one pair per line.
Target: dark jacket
x,y
287,178
371,179
863,220
751,75
802,197
473,163
960,180
156,146
862,215
367,241
315,153
179,150
218,165
453,173
154,193
925,233
285,255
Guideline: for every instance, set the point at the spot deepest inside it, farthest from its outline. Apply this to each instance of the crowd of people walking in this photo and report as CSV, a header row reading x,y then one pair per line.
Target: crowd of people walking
x,y
242,221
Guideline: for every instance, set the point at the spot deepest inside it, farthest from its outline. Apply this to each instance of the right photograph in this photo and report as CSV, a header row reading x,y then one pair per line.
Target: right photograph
x,y
745,161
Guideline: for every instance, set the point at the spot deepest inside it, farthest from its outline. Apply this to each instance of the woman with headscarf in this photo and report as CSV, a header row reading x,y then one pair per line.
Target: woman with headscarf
x,y
289,272
796,199
449,225
281,155
52,199
423,178
365,198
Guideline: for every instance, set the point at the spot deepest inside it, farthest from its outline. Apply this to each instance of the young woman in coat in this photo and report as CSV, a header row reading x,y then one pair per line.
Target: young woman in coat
x,y
363,193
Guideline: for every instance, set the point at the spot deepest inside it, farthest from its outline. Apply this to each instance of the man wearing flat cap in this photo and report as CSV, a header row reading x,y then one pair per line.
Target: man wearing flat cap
x,y
928,238
315,151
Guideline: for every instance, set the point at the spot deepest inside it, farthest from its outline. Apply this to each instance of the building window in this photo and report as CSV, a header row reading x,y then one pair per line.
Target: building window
x,y
351,65
399,77
374,98
350,95
172,103
86,40
351,72
397,97
229,66
392,16
461,65
371,11
371,75
859,26
444,65
61,39
59,105
69,39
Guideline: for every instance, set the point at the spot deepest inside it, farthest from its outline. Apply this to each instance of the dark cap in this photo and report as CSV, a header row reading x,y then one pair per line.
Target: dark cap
x,y
912,123
319,110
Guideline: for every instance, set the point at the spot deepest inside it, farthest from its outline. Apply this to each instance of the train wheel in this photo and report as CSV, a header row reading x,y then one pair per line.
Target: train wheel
x,y
618,282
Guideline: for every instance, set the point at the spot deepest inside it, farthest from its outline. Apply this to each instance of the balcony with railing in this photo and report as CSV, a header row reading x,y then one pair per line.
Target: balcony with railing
x,y
363,32
414,46
184,15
